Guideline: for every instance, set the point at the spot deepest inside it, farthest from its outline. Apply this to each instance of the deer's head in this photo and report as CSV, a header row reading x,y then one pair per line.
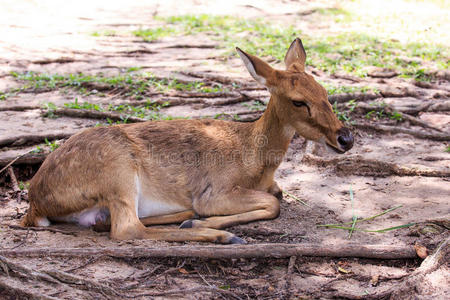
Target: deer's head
x,y
299,101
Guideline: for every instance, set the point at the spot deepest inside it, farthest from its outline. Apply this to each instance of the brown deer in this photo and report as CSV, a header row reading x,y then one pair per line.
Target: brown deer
x,y
160,172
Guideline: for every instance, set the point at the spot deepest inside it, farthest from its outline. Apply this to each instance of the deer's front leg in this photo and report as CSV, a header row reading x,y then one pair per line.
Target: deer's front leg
x,y
236,207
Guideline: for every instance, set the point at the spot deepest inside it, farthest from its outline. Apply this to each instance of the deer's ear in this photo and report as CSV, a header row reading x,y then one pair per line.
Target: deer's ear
x,y
260,70
296,54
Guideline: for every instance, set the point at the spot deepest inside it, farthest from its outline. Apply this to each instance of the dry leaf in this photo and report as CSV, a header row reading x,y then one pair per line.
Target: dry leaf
x,y
421,251
183,270
374,280
342,270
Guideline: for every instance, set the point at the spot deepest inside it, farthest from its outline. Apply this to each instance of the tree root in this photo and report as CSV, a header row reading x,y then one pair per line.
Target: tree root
x,y
228,251
357,165
15,185
50,229
26,158
15,288
409,285
93,114
342,98
31,139
396,129
365,108
19,108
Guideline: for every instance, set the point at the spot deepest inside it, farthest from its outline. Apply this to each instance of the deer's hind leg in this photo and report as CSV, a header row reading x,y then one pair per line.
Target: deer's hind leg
x,y
236,207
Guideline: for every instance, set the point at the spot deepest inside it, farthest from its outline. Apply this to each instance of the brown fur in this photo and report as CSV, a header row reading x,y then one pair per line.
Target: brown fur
x,y
216,169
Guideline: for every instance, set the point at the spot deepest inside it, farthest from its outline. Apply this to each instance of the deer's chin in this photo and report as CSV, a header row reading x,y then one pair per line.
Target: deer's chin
x,y
334,148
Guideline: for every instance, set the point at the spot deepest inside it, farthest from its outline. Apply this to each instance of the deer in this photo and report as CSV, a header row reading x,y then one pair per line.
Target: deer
x,y
206,174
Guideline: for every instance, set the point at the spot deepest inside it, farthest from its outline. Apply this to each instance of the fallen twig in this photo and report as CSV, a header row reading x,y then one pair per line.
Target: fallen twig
x,y
228,251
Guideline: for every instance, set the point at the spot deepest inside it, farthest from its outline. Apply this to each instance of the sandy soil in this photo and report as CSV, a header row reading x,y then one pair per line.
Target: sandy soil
x,y
41,36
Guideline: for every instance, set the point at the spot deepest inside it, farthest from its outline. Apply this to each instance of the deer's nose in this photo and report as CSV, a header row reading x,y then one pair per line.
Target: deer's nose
x,y
345,138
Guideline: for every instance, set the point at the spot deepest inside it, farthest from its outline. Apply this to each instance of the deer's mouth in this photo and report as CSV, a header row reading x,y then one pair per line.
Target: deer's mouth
x,y
334,148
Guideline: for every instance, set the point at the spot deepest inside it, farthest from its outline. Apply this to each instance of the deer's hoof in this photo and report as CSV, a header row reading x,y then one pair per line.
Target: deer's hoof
x,y
237,240
187,224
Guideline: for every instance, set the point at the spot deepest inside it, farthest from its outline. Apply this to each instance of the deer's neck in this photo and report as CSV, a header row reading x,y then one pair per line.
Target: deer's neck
x,y
272,136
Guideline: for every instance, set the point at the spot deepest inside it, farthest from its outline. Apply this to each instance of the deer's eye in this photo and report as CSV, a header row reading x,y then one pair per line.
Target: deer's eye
x,y
300,104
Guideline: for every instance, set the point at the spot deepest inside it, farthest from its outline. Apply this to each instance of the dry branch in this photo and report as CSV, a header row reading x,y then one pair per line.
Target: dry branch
x,y
228,251
397,129
357,165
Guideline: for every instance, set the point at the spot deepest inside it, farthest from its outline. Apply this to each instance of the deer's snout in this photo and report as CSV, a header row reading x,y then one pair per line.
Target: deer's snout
x,y
345,138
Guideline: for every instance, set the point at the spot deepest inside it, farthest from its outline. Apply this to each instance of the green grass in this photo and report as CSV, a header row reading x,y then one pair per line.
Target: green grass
x,y
147,111
344,115
447,149
133,85
355,220
350,52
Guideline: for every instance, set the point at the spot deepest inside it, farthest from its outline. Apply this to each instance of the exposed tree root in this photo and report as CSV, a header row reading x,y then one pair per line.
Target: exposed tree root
x,y
396,129
27,158
364,108
83,283
93,114
357,165
61,60
31,139
409,285
210,77
19,108
187,46
50,229
431,106
15,288
228,251
15,185
186,292
342,98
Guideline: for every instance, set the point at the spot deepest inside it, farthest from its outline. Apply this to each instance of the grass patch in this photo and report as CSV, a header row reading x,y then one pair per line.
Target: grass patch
x,y
351,226
349,52
132,85
147,111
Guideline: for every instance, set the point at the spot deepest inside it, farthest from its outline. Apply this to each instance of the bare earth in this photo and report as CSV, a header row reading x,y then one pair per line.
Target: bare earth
x,y
50,39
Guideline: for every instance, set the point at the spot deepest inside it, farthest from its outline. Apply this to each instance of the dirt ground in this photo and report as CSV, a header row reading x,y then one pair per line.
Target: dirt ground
x,y
387,167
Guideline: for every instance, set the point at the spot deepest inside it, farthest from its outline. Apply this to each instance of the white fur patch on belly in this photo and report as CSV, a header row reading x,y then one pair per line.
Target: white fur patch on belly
x,y
148,205
87,217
